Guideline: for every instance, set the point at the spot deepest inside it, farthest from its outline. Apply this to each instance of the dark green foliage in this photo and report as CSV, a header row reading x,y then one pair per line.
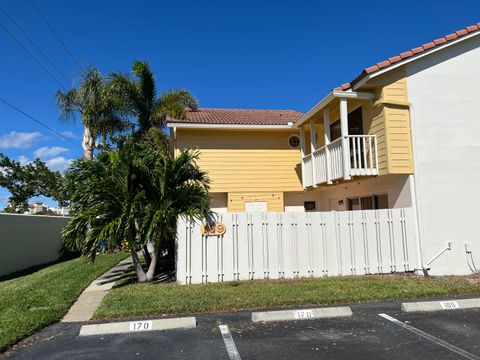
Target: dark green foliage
x,y
133,193
139,95
102,113
30,180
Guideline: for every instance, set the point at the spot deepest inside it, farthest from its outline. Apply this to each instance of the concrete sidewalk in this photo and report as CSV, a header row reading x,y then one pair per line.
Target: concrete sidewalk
x,y
88,301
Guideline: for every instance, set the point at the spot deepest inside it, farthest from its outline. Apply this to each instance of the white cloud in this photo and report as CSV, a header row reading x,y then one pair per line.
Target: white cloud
x,y
23,160
49,152
58,163
19,140
68,134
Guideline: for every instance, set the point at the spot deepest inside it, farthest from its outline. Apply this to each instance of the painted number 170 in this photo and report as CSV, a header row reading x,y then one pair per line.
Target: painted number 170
x,y
302,314
141,325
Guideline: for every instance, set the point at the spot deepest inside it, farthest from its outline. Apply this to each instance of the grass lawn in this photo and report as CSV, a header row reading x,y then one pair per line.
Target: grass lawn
x,y
30,302
137,300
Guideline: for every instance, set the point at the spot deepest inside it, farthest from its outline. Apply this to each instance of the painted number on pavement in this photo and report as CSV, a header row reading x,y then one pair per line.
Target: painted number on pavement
x,y
141,325
302,314
449,305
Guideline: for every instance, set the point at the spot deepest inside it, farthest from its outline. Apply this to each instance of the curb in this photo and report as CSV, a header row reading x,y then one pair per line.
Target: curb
x,y
427,306
301,314
138,326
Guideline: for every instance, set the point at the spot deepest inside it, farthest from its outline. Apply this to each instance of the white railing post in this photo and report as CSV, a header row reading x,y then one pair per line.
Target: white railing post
x,y
302,152
313,141
327,137
345,140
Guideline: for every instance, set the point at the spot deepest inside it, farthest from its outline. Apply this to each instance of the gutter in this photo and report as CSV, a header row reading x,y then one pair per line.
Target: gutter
x,y
229,126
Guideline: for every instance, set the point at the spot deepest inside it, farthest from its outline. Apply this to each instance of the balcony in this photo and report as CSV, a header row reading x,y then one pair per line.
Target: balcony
x,y
343,158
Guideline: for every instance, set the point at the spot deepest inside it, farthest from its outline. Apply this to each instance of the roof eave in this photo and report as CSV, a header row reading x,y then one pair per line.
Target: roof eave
x,y
226,126
363,79
328,99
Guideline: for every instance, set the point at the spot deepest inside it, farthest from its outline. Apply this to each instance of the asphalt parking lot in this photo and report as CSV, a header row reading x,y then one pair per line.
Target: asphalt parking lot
x,y
452,334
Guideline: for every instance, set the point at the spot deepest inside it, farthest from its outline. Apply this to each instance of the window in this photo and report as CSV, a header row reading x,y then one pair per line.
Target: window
x,y
368,202
310,206
381,201
355,125
294,141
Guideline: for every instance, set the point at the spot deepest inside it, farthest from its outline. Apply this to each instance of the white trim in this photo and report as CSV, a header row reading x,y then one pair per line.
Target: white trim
x,y
302,153
327,138
366,78
345,140
313,141
329,98
227,126
415,194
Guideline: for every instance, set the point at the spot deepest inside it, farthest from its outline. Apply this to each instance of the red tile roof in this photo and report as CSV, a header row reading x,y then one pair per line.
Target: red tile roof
x,y
239,117
404,55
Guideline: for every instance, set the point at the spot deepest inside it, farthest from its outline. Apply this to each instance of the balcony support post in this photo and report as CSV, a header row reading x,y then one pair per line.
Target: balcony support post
x,y
302,153
313,143
327,139
345,140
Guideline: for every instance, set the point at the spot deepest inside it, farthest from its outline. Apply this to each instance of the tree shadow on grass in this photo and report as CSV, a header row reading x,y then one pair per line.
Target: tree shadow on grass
x,y
129,277
31,270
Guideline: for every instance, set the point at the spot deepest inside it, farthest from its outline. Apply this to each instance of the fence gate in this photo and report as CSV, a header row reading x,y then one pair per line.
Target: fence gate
x,y
269,245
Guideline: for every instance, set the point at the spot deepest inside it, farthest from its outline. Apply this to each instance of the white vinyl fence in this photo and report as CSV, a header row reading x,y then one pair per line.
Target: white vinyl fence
x,y
294,244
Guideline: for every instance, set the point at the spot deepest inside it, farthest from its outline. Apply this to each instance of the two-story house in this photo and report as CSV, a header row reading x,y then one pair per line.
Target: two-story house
x,y
404,133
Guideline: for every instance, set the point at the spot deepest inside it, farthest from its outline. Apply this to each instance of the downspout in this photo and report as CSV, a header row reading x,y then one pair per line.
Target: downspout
x,y
174,141
415,199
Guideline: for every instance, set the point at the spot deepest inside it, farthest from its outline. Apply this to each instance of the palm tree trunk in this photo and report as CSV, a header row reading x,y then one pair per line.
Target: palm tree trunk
x,y
88,143
141,276
153,267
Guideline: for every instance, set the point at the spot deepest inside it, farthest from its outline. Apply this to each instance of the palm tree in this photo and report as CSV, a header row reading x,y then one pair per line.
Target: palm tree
x,y
101,112
134,193
139,95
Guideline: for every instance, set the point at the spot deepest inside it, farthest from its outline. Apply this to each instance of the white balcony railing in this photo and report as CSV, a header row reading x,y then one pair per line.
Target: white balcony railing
x,y
320,166
307,171
363,155
326,164
335,150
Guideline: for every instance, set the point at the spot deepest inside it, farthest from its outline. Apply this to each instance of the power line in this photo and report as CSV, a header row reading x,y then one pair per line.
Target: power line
x,y
55,33
37,121
31,56
35,45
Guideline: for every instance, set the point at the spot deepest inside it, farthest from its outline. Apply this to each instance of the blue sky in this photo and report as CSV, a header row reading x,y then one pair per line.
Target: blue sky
x,y
230,54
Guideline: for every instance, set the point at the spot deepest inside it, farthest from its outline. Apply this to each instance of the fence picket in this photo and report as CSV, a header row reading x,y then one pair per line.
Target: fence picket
x,y
289,245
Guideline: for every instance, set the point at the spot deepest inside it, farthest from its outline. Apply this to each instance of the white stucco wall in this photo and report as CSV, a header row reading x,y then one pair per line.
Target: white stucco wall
x,y
29,240
444,90
327,198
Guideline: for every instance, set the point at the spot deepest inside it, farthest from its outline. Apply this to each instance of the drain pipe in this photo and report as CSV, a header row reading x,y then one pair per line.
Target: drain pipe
x,y
472,266
415,196
448,248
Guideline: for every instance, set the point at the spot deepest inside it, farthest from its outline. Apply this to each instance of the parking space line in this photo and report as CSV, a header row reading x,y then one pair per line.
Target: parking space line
x,y
229,343
432,338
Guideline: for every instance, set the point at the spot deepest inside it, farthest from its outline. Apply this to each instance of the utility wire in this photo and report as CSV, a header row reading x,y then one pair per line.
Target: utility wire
x,y
55,33
37,121
31,56
35,45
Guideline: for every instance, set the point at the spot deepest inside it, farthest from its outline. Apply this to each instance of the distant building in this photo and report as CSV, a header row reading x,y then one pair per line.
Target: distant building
x,y
42,208
37,207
